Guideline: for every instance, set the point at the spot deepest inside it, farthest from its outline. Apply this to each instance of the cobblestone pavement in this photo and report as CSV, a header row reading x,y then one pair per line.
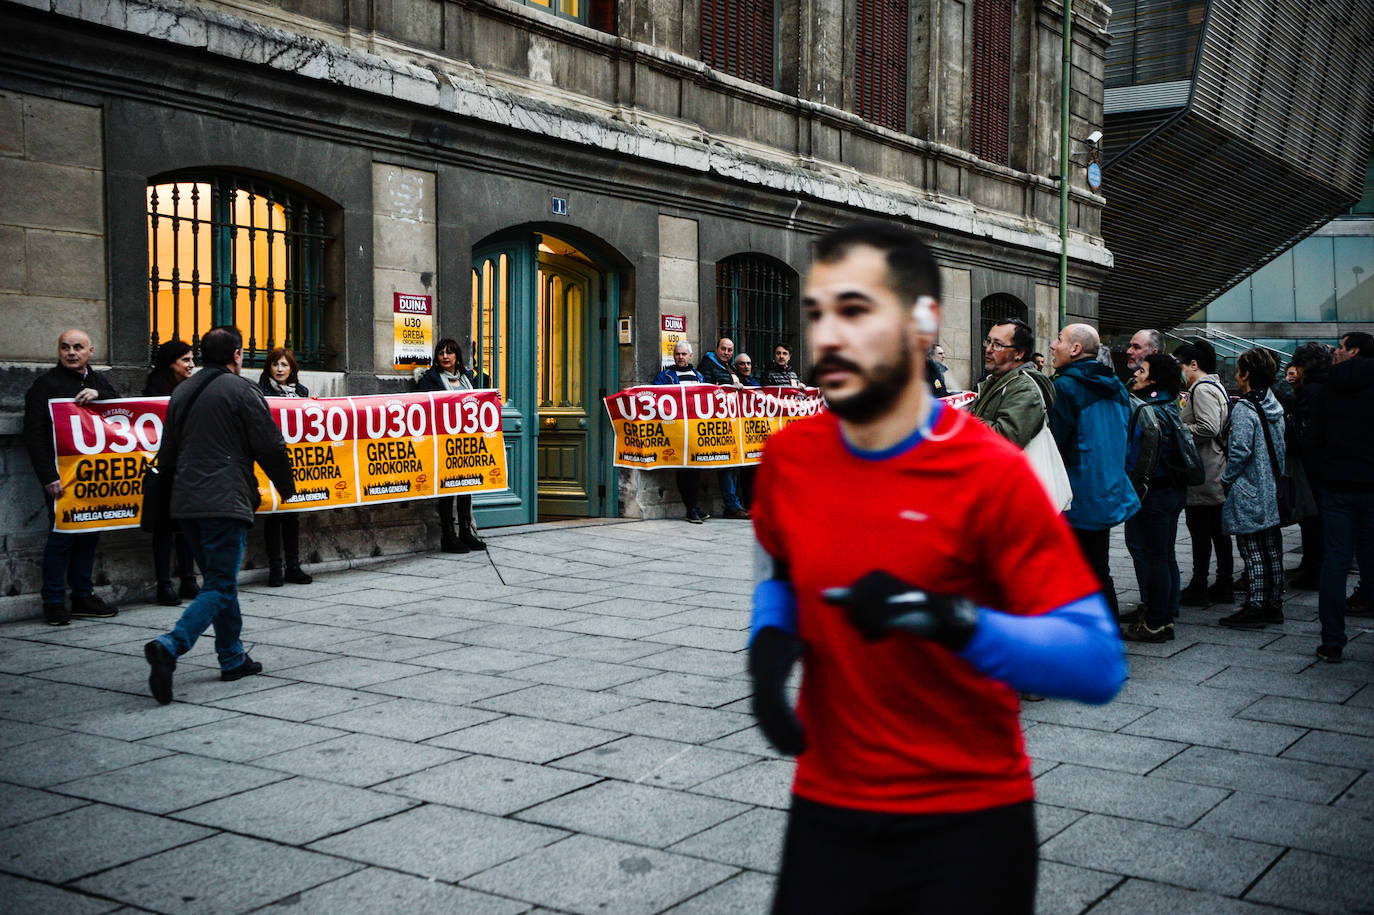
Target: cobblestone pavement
x,y
563,725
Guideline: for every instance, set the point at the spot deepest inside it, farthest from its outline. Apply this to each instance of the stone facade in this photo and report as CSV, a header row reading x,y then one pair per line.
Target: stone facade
x,y
428,128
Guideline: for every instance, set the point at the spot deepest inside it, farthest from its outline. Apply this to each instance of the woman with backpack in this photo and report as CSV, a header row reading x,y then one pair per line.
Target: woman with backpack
x,y
1155,466
1254,462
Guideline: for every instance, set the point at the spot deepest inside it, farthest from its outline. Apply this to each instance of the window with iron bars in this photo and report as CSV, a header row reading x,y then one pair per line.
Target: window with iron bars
x,y
999,307
880,62
737,38
228,249
990,123
756,301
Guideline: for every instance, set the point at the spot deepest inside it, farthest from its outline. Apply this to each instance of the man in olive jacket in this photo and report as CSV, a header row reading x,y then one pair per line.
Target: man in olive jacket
x,y
1015,398
210,446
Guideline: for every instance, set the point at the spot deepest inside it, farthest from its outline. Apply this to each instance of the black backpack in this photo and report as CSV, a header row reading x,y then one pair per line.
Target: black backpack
x,y
1166,446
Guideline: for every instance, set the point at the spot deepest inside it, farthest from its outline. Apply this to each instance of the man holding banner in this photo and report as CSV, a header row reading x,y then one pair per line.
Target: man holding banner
x,y
69,556
912,784
217,426
688,480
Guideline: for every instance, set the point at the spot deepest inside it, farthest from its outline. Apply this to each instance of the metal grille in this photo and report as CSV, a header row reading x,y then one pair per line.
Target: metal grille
x,y
737,37
225,249
755,296
998,307
990,123
880,62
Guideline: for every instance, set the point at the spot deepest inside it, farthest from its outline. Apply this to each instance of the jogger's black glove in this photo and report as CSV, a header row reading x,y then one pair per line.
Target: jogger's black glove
x,y
771,656
880,603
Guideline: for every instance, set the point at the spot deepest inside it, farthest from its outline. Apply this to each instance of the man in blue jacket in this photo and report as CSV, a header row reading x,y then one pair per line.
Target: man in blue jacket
x,y
1088,419
688,480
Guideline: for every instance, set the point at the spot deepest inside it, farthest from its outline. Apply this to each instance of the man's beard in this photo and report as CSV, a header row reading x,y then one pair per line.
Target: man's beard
x,y
884,384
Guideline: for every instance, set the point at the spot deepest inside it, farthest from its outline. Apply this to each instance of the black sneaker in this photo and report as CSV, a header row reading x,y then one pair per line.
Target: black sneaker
x,y
275,577
1273,615
1357,604
1221,593
246,669
56,614
1331,654
1141,631
694,516
93,607
1247,617
298,576
161,664
1195,595
189,589
1132,616
167,595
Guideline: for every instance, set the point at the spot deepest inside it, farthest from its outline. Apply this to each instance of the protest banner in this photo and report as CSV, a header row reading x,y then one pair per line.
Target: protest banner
x,y
345,451
649,432
713,426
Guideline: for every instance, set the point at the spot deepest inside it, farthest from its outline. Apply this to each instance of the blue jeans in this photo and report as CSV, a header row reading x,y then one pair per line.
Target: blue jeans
x,y
218,545
1150,537
729,486
70,557
1348,531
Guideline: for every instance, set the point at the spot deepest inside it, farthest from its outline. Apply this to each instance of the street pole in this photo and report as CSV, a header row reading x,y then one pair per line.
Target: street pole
x,y
1064,168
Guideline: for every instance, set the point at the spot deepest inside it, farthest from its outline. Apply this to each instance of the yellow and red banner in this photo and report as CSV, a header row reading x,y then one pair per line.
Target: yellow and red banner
x,y
345,451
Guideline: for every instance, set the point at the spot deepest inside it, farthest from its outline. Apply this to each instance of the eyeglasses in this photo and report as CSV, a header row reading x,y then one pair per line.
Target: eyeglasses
x,y
995,344
744,364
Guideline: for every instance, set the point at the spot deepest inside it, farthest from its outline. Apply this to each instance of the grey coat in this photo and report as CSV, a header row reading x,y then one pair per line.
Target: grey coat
x,y
212,452
1204,413
1252,502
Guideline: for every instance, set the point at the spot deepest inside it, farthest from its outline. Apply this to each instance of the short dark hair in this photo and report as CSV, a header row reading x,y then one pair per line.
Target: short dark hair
x,y
1312,357
219,344
1022,337
911,268
786,346
281,352
1035,356
447,345
1164,372
1259,367
1199,351
1358,339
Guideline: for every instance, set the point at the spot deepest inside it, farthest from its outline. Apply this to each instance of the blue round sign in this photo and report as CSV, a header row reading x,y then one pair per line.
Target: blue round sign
x,y
1094,175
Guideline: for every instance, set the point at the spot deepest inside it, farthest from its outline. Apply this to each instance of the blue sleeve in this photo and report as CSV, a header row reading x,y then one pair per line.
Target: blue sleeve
x,y
775,604
1073,652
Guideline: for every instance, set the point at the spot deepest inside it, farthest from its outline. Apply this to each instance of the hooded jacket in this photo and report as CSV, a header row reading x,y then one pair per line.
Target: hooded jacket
x,y
1343,427
1011,405
1204,414
1252,502
1088,419
214,446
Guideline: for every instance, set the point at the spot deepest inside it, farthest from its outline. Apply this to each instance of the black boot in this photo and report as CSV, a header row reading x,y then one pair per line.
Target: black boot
x,y
298,576
1195,595
470,539
449,541
1248,616
189,588
167,595
276,576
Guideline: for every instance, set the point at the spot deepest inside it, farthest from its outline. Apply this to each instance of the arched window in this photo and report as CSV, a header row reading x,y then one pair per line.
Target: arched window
x,y
990,123
880,62
998,307
228,249
737,38
756,301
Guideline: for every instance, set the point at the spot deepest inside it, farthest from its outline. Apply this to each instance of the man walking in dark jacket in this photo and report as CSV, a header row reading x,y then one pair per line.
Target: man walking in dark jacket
x,y
217,425
69,556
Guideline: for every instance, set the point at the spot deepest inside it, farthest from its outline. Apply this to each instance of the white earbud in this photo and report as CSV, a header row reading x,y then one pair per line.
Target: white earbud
x,y
925,315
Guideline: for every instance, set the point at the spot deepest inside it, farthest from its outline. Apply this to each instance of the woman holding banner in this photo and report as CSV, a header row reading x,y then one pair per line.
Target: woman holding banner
x,y
172,365
448,374
282,533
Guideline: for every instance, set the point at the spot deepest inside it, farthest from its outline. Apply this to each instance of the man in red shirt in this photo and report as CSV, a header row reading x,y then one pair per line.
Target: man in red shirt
x,y
958,585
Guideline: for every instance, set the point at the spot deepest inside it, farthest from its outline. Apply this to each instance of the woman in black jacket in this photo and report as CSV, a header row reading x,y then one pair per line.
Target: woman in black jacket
x,y
173,365
282,532
448,374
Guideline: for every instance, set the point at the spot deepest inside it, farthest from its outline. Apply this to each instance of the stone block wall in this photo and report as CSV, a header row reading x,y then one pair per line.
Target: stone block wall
x,y
404,256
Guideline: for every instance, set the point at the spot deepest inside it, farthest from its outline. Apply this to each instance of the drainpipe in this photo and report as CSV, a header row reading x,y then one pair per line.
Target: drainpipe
x,y
1064,168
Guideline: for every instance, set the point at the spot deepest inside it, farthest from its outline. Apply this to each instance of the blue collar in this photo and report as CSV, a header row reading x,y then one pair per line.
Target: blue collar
x,y
921,433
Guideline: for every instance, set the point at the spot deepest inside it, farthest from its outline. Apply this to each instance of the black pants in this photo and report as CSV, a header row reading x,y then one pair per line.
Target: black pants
x,y
1204,525
853,862
164,543
459,506
689,488
1096,547
283,534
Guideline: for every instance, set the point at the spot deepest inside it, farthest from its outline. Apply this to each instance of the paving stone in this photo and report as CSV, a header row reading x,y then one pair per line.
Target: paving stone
x,y
407,719
1051,820
698,661
633,606
674,722
224,873
243,738
1317,883
527,739
13,733
603,648
1123,752
440,842
92,838
359,759
1320,828
1272,683
688,689
767,783
419,626
1137,797
1143,897
353,673
1364,698
1269,658
703,637
538,617
1183,667
1334,749
21,805
1063,888
309,635
744,894
1277,777
648,760
1216,731
749,740
449,686
296,811
299,701
482,659
375,890
557,703
70,756
640,814
170,783
1185,697
1304,713
619,627
487,785
1359,796
21,657
34,701
751,840
24,896
141,719
1109,717
1177,856
585,874
576,672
